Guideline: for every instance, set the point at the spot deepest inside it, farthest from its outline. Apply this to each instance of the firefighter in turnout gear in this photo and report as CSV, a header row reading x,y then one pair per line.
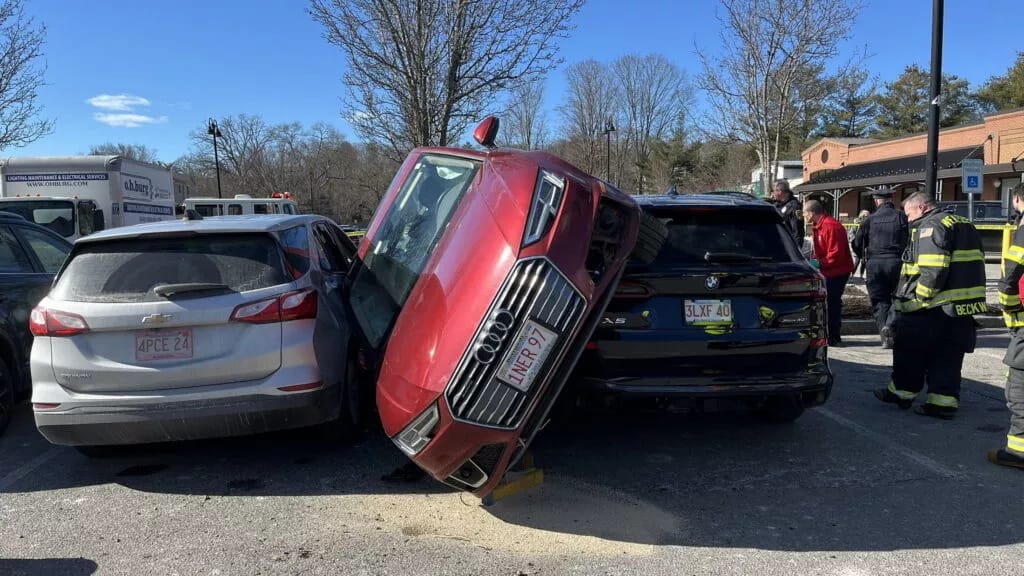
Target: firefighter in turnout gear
x,y
942,287
1013,315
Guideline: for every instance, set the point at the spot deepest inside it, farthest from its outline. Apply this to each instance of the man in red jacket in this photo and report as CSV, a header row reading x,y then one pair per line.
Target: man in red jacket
x,y
832,250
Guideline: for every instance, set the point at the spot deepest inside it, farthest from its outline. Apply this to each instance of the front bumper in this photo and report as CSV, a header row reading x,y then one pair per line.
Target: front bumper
x,y
813,386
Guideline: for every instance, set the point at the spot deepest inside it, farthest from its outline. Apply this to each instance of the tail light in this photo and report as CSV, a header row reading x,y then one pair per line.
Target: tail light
x,y
633,290
298,305
819,343
46,322
809,287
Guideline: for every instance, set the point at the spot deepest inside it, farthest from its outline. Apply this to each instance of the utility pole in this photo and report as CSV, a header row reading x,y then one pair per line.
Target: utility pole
x,y
932,168
608,129
214,131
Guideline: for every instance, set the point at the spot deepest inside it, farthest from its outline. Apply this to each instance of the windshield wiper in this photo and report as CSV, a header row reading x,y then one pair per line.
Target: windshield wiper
x,y
168,290
734,257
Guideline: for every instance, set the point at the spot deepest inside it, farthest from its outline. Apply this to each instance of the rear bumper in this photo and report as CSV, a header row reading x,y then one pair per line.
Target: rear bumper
x,y
127,423
813,386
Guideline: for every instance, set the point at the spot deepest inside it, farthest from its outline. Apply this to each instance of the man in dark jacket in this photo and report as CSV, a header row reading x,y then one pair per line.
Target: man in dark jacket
x,y
881,240
791,209
942,287
1013,315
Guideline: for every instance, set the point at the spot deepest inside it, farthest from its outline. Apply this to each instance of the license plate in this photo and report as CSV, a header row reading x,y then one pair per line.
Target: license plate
x,y
708,312
532,346
163,344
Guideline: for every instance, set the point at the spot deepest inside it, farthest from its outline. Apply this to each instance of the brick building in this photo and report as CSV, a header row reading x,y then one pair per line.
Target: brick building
x,y
843,171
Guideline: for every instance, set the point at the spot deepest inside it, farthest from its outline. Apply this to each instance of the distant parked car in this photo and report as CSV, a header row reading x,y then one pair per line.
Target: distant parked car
x,y
194,329
989,212
30,255
728,310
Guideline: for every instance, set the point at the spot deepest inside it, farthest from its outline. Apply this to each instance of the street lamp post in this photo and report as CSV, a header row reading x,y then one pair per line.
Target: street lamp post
x,y
214,131
608,129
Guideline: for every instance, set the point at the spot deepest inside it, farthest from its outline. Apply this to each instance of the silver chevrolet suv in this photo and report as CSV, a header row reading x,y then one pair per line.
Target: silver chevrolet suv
x,y
194,329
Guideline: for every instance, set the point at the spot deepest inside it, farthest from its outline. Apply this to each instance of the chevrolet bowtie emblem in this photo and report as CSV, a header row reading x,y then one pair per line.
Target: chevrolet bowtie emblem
x,y
156,318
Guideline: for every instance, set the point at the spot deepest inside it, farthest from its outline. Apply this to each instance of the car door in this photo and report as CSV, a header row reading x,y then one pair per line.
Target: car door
x,y
25,278
333,328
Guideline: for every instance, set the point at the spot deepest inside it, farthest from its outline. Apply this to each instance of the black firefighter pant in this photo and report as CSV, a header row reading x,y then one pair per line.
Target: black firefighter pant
x,y
929,348
883,279
1015,402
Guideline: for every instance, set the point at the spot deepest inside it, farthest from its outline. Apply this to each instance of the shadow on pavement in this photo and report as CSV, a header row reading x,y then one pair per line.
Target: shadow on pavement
x,y
48,567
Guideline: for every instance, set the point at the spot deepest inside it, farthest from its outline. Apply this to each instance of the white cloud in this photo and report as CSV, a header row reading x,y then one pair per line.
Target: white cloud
x,y
118,102
128,120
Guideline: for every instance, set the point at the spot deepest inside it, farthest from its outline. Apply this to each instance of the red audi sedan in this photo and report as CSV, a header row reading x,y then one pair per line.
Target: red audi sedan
x,y
478,284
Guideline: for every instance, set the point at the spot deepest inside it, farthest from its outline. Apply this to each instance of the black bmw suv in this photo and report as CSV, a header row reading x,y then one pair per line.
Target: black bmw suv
x,y
728,310
30,255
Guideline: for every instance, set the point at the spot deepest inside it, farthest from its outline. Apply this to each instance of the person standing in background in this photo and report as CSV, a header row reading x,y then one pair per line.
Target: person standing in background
x,y
881,240
832,250
790,208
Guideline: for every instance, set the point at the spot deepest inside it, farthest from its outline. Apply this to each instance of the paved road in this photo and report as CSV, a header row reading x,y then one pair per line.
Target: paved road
x,y
853,489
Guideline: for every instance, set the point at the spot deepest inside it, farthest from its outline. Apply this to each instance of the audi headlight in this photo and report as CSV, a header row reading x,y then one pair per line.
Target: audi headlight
x,y
419,432
547,199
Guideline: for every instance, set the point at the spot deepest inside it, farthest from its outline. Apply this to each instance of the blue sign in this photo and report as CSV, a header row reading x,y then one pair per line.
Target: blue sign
x,y
972,180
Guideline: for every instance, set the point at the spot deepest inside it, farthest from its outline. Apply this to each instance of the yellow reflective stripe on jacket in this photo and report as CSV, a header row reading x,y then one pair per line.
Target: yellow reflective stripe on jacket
x,y
943,297
1015,254
910,269
925,292
943,400
1009,299
967,256
1013,319
1015,443
902,394
933,260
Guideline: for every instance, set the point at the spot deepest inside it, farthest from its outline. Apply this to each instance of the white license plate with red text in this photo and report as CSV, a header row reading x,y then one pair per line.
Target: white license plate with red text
x,y
531,348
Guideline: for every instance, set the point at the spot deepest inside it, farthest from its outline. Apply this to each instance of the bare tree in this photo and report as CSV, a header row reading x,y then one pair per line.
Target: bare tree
x,y
526,123
21,76
655,94
139,152
420,71
761,82
591,105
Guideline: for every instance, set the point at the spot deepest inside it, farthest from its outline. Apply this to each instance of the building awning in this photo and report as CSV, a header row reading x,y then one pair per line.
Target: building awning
x,y
890,172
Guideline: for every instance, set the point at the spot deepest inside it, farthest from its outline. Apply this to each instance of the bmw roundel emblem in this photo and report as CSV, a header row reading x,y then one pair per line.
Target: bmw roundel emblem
x,y
711,282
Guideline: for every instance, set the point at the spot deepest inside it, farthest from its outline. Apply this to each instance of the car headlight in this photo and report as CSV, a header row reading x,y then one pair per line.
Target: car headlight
x,y
419,432
547,199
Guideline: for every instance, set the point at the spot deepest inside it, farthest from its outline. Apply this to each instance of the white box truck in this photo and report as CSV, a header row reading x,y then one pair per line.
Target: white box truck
x,y
78,195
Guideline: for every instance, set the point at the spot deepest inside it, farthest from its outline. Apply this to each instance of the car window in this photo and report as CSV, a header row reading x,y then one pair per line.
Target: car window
x,y
332,256
50,251
13,259
208,210
129,270
295,242
259,209
234,209
706,236
57,215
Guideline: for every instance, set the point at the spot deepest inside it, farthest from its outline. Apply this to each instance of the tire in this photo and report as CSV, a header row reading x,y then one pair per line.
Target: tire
x,y
6,395
781,409
348,426
649,241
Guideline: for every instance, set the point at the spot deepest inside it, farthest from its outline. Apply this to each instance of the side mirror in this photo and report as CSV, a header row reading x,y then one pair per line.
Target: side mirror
x,y
486,132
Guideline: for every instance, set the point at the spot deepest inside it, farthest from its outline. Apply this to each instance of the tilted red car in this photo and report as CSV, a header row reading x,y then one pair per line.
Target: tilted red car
x,y
480,280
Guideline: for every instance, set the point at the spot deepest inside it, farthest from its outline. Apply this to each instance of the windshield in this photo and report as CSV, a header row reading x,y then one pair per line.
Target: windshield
x,y
406,238
714,237
57,215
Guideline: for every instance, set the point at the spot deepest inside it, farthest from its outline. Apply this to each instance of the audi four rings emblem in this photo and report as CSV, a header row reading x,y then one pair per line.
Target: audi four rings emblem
x,y
711,282
494,336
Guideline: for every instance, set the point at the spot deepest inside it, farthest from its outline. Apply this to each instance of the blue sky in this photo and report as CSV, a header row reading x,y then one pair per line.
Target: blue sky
x,y
182,61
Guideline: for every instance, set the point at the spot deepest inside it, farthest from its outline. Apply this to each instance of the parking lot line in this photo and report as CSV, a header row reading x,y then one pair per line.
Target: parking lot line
x,y
887,442
27,468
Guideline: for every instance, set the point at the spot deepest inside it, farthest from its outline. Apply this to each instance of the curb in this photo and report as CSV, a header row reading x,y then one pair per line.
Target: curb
x,y
867,327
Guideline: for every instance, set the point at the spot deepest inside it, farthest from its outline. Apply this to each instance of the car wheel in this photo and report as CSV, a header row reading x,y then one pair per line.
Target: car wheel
x,y
782,409
6,395
348,425
649,241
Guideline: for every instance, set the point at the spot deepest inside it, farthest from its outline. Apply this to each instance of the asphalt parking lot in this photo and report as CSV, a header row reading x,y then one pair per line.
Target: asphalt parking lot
x,y
855,488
